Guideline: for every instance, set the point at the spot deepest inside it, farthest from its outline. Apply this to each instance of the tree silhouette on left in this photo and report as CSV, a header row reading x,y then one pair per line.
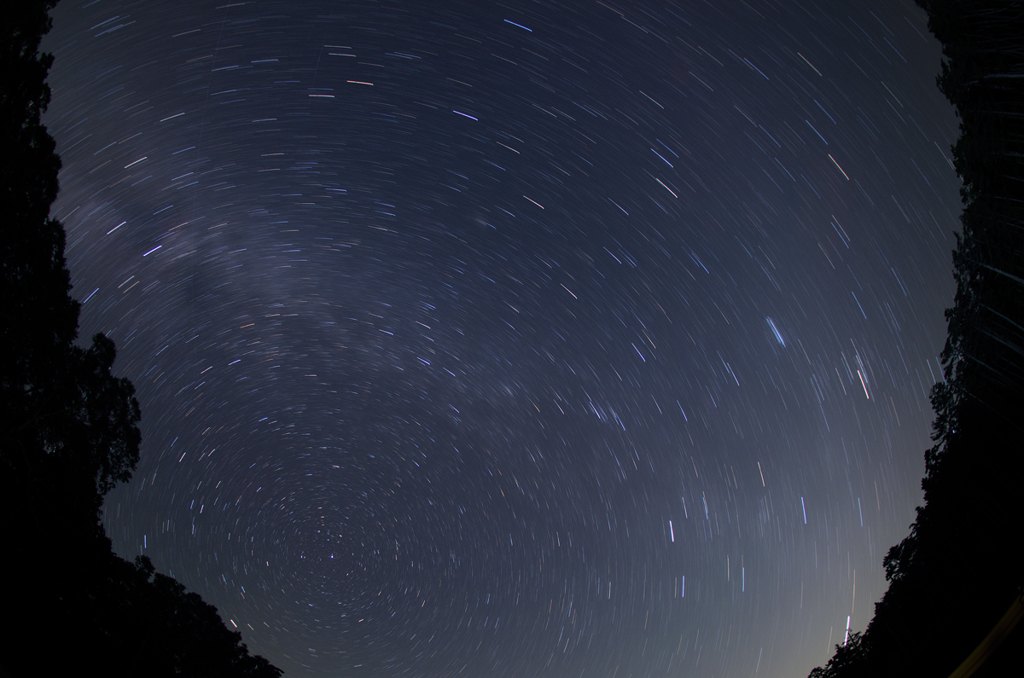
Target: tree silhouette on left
x,y
69,427
68,434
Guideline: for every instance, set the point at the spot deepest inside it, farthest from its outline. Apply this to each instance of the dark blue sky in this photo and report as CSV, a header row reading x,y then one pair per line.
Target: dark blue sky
x,y
515,339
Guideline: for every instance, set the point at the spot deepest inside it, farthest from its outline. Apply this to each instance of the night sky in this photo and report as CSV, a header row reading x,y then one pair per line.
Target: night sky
x,y
521,339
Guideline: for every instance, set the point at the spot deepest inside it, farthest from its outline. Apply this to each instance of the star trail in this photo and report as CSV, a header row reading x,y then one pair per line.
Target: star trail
x,y
515,339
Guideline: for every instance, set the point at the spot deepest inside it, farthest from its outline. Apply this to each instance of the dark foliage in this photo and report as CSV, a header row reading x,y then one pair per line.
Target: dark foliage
x,y
958,571
68,433
166,631
848,660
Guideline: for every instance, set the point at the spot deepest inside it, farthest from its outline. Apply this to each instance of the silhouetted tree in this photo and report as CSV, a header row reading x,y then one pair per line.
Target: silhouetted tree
x,y
68,433
850,659
958,570
69,427
168,631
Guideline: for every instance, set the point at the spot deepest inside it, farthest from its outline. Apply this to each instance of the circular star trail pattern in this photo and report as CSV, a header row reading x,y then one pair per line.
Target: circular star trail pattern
x,y
523,339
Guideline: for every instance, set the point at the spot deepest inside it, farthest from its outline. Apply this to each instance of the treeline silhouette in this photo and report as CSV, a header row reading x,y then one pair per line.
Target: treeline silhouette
x,y
954,582
69,433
